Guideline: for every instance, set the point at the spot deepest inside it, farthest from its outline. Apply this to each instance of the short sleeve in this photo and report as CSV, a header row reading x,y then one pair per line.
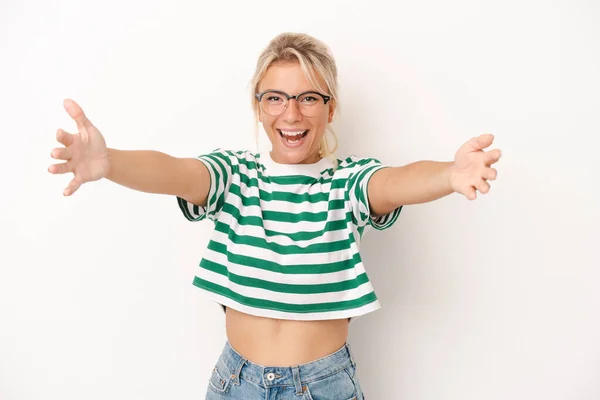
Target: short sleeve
x,y
358,182
220,168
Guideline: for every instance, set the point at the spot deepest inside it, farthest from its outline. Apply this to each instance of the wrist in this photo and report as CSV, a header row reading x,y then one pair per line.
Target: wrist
x,y
450,172
109,159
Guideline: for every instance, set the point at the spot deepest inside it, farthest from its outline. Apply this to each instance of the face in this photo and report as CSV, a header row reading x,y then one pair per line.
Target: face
x,y
290,79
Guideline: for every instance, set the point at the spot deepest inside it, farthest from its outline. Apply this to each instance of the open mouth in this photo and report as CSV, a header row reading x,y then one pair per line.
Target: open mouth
x,y
293,138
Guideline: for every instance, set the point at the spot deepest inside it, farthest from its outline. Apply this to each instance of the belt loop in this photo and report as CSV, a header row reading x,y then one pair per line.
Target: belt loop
x,y
351,356
297,382
236,375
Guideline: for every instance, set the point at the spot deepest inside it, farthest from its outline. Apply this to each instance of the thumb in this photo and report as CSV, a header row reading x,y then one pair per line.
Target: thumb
x,y
77,114
480,142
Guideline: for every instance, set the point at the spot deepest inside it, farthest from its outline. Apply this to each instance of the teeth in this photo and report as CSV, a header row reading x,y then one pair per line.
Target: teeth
x,y
292,133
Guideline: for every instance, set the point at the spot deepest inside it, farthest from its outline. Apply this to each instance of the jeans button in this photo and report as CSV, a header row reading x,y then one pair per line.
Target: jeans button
x,y
270,376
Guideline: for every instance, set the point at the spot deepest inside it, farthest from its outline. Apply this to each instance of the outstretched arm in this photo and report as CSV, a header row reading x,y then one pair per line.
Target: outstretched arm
x,y
425,181
88,158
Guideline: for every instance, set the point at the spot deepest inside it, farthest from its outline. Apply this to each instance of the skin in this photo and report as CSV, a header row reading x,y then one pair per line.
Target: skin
x,y
269,341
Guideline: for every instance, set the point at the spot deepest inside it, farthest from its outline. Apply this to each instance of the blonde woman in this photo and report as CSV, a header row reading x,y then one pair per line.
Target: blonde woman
x,y
283,260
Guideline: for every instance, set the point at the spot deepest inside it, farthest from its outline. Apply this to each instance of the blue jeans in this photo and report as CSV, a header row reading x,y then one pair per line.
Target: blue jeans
x,y
332,377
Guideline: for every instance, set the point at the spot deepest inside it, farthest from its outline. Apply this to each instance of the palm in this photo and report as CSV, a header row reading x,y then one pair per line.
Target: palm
x,y
85,152
89,155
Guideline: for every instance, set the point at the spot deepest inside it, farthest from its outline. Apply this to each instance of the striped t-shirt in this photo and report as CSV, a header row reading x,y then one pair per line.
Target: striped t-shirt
x,y
286,238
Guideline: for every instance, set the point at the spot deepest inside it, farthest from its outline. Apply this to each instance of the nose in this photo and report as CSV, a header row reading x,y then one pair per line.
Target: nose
x,y
292,112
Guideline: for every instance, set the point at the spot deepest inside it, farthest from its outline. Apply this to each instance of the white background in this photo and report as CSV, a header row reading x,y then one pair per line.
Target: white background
x,y
494,299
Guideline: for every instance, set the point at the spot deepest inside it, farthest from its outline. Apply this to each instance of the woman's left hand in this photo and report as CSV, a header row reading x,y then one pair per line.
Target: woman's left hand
x,y
472,170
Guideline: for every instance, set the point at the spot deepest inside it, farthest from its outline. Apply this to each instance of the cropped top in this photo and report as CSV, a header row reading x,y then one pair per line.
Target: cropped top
x,y
286,238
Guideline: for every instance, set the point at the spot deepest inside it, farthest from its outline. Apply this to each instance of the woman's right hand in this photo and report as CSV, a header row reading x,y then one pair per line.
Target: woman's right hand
x,y
85,152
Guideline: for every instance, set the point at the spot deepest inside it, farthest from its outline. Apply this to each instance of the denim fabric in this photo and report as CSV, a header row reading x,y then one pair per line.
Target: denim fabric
x,y
332,377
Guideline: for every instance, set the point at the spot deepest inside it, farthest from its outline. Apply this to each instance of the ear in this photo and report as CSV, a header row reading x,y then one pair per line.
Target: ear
x,y
331,110
259,115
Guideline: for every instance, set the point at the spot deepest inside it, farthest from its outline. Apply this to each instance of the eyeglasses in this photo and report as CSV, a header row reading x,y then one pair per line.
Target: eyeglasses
x,y
275,102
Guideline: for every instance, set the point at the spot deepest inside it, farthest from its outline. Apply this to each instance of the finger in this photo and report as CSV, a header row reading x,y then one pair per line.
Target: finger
x,y
483,187
64,137
72,188
492,157
470,193
480,142
63,153
489,174
77,114
62,168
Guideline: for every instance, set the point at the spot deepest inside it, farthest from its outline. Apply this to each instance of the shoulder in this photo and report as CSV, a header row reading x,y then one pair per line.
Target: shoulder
x,y
235,157
354,163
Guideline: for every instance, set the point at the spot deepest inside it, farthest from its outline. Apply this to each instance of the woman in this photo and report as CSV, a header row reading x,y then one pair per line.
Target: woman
x,y
283,259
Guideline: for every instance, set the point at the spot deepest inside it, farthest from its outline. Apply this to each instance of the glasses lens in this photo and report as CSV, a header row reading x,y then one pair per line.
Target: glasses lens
x,y
311,104
273,103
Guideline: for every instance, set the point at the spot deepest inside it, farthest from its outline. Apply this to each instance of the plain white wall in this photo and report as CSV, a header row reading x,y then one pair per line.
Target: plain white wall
x,y
492,299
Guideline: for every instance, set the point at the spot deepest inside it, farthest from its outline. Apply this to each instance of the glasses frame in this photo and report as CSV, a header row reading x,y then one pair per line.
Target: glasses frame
x,y
260,95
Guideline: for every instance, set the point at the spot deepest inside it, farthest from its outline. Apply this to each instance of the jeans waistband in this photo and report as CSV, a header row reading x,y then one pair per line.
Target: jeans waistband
x,y
296,375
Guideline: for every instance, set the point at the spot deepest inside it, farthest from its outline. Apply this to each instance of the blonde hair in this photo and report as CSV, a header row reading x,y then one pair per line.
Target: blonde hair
x,y
314,57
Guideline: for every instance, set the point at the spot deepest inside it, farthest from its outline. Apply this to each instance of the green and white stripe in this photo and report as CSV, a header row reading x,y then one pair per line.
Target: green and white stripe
x,y
286,238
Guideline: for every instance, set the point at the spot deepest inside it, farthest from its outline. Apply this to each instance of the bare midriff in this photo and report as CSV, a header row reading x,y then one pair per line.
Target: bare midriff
x,y
280,342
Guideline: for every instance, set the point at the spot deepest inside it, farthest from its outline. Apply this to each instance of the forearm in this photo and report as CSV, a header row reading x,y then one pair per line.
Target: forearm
x,y
419,182
154,172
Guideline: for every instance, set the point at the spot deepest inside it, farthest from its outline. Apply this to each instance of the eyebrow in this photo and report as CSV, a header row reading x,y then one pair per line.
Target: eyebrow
x,y
281,90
